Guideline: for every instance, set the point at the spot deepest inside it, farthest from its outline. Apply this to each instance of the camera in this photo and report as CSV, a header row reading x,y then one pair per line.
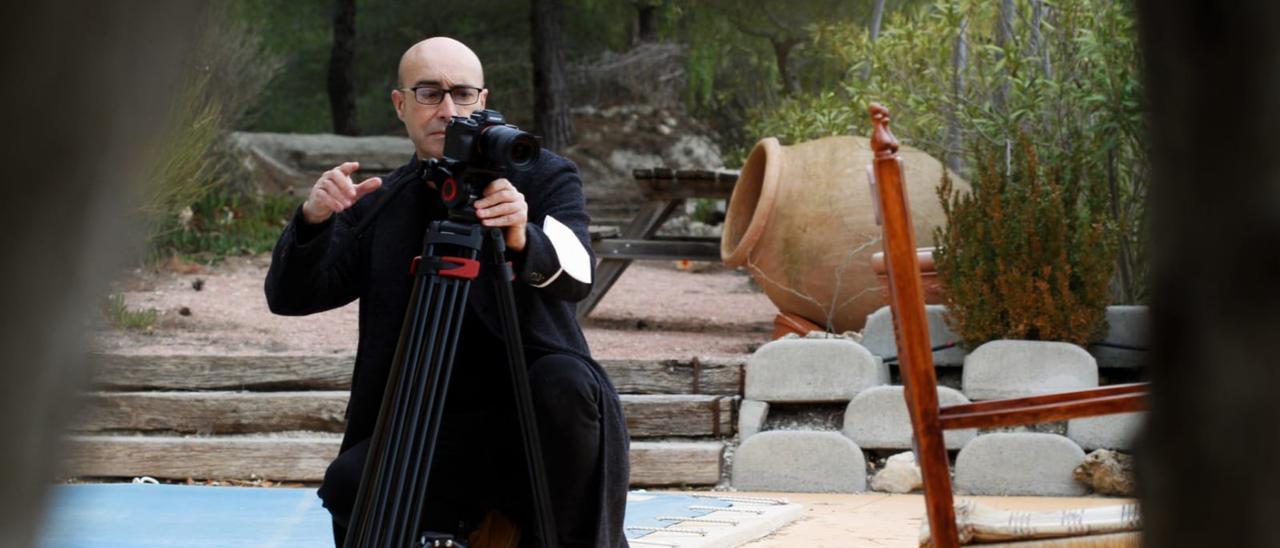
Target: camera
x,y
478,149
487,142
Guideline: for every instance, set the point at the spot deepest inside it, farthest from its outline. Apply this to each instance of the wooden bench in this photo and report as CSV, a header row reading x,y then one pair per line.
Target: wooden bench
x,y
664,191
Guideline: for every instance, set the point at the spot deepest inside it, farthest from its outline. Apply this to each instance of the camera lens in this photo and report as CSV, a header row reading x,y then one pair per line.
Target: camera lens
x,y
518,150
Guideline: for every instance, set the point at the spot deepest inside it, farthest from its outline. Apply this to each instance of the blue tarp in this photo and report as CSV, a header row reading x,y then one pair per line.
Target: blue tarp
x,y
141,515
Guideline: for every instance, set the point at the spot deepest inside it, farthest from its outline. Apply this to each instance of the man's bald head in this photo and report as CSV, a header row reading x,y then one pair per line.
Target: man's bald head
x,y
448,57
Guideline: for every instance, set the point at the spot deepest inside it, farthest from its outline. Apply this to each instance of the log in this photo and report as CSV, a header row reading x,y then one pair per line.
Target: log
x,y
219,372
323,411
305,459
124,372
720,376
678,415
213,412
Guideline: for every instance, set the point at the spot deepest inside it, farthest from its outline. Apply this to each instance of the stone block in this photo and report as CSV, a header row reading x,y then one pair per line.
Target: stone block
x,y
878,336
877,419
1024,463
1106,431
812,370
1126,326
1010,369
799,461
751,417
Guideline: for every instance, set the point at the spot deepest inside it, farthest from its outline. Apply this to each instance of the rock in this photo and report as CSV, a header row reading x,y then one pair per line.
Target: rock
x,y
1127,326
878,335
693,152
751,417
877,419
1108,473
1019,464
1010,369
812,370
799,461
623,160
1116,431
283,161
900,475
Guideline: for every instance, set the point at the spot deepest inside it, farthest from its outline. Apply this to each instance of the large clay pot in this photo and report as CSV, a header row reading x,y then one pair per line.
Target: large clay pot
x,y
802,222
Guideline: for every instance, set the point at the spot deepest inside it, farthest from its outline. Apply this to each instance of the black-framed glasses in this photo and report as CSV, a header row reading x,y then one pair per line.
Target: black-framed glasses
x,y
433,95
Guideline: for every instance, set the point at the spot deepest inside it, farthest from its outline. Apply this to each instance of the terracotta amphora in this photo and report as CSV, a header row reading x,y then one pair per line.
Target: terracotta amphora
x,y
802,221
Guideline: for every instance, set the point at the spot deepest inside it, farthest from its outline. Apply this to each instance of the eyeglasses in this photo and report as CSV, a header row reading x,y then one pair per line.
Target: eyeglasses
x,y
433,95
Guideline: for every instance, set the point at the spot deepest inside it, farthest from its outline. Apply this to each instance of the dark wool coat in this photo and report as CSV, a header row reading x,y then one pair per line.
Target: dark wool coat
x,y
321,267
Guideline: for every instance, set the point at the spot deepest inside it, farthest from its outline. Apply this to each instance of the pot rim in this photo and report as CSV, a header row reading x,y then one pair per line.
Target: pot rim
x,y
771,151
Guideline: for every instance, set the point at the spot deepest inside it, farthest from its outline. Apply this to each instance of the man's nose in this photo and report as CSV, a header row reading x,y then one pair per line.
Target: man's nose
x,y
447,109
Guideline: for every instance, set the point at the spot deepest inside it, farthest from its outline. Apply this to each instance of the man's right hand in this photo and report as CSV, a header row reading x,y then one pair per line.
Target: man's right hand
x,y
334,192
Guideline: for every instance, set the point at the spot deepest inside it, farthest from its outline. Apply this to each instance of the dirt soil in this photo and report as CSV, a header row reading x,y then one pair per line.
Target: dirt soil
x,y
657,309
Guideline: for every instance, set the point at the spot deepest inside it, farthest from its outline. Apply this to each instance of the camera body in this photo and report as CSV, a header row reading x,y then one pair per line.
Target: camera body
x,y
478,149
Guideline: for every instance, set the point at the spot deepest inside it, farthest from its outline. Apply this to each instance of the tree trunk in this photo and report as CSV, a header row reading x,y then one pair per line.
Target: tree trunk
x,y
646,22
550,93
342,69
78,198
1004,34
959,62
782,52
1038,50
1206,462
877,15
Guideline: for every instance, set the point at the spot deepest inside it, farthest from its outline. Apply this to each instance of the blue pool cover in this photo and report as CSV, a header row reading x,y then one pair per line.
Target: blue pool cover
x,y
141,515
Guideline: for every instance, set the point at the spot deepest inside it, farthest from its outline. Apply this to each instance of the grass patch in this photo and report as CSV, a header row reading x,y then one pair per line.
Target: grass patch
x,y
123,317
223,224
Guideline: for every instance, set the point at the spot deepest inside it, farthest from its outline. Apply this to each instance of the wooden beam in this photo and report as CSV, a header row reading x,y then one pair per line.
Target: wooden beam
x,y
323,411
305,459
125,372
215,372
721,376
1048,412
656,250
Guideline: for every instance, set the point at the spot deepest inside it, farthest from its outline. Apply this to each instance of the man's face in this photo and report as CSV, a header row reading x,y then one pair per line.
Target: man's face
x,y
435,67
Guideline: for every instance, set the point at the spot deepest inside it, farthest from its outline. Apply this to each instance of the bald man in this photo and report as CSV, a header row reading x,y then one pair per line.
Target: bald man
x,y
319,264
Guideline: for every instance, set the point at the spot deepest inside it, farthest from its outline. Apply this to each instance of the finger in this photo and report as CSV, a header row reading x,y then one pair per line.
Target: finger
x,y
498,210
509,195
334,203
497,185
514,219
368,185
334,193
347,168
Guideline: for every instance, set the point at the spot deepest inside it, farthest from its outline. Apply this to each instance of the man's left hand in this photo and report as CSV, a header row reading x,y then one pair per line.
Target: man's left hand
x,y
504,206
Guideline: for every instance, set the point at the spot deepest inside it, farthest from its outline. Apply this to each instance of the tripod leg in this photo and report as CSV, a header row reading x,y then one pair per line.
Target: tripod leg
x,y
544,520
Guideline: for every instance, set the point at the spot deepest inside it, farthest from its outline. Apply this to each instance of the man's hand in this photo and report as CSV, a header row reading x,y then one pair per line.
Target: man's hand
x,y
334,192
504,206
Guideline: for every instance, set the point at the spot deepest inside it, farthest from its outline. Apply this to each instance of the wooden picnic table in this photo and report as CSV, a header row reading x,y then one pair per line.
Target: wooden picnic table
x,y
664,191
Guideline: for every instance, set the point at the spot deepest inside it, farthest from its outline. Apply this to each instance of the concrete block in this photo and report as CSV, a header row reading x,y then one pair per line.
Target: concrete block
x,y
878,335
1106,431
1023,463
1126,326
799,461
812,370
877,419
1010,369
751,417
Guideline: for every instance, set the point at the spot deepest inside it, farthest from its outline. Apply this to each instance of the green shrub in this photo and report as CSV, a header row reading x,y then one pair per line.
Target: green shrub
x,y
122,317
194,174
1024,255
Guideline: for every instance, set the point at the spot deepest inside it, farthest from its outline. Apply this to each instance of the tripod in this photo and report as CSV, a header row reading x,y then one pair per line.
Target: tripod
x,y
393,488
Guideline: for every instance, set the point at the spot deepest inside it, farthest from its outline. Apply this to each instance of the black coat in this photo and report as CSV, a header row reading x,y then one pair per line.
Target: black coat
x,y
321,267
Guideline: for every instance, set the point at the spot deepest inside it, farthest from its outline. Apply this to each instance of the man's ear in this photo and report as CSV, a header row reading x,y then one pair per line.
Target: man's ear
x,y
484,98
397,100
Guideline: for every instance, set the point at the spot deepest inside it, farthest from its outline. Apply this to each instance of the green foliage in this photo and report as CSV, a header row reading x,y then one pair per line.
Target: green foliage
x,y
1070,84
192,165
1025,255
223,223
121,316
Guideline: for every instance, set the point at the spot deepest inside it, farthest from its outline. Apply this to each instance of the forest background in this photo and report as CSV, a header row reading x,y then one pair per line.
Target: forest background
x,y
964,79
